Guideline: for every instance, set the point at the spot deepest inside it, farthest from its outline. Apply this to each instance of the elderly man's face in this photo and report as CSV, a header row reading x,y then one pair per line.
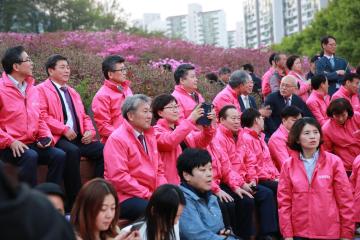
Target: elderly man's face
x,y
288,86
140,119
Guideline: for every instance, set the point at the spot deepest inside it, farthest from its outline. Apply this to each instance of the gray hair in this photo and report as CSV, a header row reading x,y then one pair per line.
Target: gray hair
x,y
239,77
132,103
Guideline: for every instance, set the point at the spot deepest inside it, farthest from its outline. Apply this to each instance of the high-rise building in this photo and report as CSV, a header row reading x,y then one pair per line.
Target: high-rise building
x,y
268,21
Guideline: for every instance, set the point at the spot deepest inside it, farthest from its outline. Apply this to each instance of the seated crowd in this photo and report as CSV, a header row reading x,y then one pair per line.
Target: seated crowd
x,y
176,167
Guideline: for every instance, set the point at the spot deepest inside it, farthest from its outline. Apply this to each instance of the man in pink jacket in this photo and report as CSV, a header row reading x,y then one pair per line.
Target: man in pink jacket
x,y
108,100
319,99
132,162
25,139
238,84
279,150
63,111
349,90
341,132
185,91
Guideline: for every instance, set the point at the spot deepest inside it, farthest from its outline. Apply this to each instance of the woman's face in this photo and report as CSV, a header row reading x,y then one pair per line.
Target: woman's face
x,y
170,112
309,137
106,213
178,214
297,67
341,118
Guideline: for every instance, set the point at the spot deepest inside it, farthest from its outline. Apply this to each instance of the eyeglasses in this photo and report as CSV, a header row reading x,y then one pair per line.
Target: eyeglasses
x,y
174,107
26,60
124,69
287,86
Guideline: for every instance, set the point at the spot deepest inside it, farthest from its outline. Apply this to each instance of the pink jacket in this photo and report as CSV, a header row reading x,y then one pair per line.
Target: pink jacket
x,y
185,101
343,140
305,87
320,209
265,81
222,171
242,160
344,93
51,110
106,107
168,143
318,103
132,171
266,169
355,180
20,116
279,150
227,96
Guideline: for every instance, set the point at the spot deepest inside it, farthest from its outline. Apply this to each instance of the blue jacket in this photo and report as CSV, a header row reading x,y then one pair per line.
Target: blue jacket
x,y
200,220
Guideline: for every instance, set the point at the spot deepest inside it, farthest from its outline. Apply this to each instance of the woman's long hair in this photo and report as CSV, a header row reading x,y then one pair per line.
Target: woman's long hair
x,y
88,205
161,212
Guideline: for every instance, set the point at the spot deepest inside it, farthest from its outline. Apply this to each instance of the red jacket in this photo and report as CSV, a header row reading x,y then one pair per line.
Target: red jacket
x,y
185,101
256,144
20,116
305,87
343,140
243,161
344,93
132,171
317,104
168,143
52,113
355,180
106,107
227,96
278,146
321,209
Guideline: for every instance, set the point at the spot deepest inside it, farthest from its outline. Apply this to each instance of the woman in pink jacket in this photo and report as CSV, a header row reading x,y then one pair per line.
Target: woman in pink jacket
x,y
341,132
294,64
314,194
355,180
172,135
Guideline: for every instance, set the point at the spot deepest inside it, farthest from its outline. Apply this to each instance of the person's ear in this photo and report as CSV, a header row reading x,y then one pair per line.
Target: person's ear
x,y
131,116
187,176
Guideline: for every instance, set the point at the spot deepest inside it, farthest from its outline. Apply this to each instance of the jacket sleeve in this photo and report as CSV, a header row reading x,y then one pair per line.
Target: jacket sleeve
x,y
316,111
5,139
200,139
279,152
344,199
101,109
284,197
304,87
320,69
56,127
328,144
161,173
117,170
88,125
251,165
304,108
168,140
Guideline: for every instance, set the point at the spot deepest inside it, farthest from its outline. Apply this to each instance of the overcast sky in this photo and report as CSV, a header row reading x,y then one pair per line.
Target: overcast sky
x,y
136,8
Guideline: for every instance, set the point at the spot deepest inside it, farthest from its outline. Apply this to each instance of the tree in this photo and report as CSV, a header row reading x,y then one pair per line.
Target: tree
x,y
341,20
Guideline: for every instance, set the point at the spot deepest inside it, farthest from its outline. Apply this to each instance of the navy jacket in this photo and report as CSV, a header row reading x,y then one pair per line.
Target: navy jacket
x,y
251,101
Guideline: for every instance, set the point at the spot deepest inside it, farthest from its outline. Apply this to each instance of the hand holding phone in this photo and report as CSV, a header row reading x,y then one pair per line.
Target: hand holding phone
x,y
204,120
44,141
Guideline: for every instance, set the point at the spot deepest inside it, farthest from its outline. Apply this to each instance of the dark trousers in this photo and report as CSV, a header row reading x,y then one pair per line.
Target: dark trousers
x,y
273,186
74,150
27,163
133,208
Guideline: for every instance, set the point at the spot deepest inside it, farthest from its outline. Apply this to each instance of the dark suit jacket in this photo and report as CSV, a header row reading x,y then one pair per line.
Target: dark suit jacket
x,y
251,101
323,66
277,104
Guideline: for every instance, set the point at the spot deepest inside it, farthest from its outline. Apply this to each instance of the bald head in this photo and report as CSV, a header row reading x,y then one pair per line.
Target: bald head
x,y
288,86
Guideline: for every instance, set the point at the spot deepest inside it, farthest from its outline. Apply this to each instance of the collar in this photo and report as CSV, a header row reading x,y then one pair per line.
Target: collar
x,y
57,85
345,91
121,87
244,96
182,89
226,131
137,134
253,133
283,130
231,91
329,57
315,156
319,94
130,129
16,82
164,123
201,195
8,82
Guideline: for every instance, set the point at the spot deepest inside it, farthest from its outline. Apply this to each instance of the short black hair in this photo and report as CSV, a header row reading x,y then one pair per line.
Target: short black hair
x,y
11,56
167,67
338,106
291,60
159,102
108,65
295,131
350,77
271,58
317,80
290,111
191,158
52,60
181,71
224,70
325,39
223,110
212,77
248,67
249,116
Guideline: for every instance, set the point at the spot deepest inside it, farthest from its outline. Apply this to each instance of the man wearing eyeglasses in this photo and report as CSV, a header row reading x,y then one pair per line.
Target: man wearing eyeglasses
x,y
25,139
63,111
109,99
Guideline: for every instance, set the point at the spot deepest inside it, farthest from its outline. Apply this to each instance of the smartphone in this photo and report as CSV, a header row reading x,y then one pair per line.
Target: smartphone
x,y
203,120
254,188
44,141
136,226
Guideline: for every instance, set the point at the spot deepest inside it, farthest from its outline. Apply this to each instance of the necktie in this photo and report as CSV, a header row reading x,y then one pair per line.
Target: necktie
x,y
332,62
287,102
71,107
246,102
142,141
195,96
